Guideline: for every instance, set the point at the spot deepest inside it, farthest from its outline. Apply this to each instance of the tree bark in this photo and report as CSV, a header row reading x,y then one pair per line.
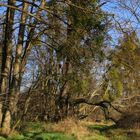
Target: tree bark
x,y
14,87
6,66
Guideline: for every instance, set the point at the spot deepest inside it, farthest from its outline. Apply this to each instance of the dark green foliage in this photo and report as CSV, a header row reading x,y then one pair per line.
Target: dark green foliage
x,y
39,136
52,136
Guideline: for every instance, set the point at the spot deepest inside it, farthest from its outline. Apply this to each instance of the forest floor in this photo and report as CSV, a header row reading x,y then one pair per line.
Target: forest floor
x,y
72,130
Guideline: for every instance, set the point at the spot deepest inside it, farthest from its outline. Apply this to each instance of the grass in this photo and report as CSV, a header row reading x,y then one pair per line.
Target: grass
x,y
72,130
52,136
2,138
39,136
101,127
111,132
95,137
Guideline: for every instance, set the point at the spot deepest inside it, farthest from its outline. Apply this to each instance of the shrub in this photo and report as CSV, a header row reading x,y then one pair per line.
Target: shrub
x,y
71,127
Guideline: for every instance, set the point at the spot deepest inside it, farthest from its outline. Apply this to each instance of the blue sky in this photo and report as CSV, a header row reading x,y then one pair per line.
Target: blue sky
x,y
124,17
120,15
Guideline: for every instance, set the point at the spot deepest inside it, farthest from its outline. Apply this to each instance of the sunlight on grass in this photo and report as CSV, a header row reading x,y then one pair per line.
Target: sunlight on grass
x,y
2,138
123,137
95,137
16,137
101,127
72,130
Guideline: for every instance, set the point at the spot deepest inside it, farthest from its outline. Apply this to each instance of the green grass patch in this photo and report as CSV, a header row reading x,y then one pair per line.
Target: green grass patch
x,y
39,136
2,138
16,137
110,132
36,131
121,137
52,136
32,127
95,137
101,128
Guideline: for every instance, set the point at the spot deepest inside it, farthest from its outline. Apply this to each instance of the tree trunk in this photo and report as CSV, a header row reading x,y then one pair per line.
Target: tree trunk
x,y
6,66
0,79
14,87
6,123
12,72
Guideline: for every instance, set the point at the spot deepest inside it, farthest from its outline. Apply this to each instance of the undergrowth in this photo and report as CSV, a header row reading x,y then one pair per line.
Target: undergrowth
x,y
72,129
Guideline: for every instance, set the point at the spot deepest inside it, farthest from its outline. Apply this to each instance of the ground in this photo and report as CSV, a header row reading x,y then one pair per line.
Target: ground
x,y
72,130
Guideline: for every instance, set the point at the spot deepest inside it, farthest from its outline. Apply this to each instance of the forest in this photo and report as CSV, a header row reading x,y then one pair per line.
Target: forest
x,y
69,69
